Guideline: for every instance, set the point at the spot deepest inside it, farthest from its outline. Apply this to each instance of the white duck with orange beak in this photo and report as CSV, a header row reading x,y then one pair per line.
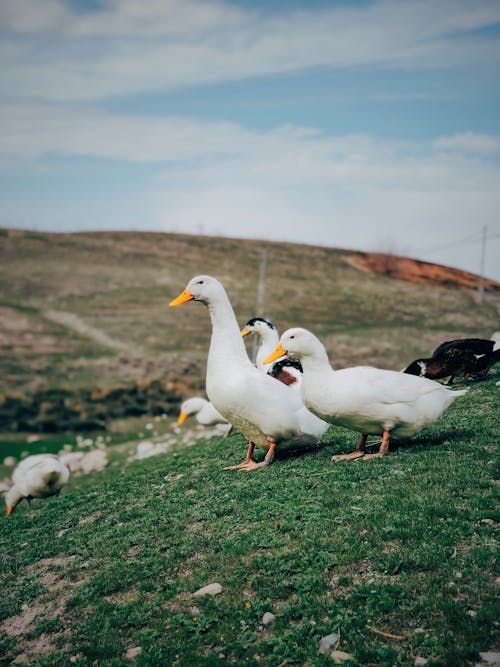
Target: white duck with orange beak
x,y
369,400
37,476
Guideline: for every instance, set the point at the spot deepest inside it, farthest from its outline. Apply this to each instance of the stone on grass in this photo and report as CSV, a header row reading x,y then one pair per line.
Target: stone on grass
x,y
490,658
268,618
339,657
211,589
326,643
420,661
133,652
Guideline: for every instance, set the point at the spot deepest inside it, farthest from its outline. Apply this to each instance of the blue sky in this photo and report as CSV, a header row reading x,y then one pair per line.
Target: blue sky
x,y
370,125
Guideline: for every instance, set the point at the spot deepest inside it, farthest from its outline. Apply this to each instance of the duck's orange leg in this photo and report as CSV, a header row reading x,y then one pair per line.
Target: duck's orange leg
x,y
356,454
249,459
384,447
250,463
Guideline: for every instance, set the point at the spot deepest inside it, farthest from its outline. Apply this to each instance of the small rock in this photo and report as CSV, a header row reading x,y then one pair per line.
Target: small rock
x,y
326,643
490,658
211,589
133,652
9,461
420,661
471,613
340,656
268,618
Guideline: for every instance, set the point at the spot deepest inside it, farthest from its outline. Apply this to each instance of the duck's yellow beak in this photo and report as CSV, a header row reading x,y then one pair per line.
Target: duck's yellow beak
x,y
278,352
182,298
182,417
245,331
9,510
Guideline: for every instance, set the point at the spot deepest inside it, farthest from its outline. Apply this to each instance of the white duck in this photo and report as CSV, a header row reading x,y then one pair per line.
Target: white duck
x,y
205,413
37,476
362,398
265,411
268,337
283,370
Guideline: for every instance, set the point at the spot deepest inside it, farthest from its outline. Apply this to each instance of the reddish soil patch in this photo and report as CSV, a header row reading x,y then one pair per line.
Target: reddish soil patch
x,y
423,273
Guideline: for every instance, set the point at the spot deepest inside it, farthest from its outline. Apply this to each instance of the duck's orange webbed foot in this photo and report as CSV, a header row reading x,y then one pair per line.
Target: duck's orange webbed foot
x,y
249,461
384,447
359,452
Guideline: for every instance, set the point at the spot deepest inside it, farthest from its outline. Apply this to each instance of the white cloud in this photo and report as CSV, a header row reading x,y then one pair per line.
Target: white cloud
x,y
469,142
129,47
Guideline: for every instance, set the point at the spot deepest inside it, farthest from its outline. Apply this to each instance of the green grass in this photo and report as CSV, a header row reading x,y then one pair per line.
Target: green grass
x,y
403,545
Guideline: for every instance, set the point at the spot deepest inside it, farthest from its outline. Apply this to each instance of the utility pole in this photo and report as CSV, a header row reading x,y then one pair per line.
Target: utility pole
x,y
480,288
259,310
261,288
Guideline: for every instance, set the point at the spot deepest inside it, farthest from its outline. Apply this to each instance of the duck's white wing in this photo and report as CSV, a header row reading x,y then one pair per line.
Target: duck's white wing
x,y
374,385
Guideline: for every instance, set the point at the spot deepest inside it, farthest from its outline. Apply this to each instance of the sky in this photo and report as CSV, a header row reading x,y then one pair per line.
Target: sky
x,y
364,124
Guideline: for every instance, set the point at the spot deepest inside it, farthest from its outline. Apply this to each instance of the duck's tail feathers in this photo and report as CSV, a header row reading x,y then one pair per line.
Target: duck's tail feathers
x,y
460,392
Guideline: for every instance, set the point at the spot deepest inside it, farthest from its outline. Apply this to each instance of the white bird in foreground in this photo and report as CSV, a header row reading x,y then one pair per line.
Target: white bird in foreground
x,y
205,413
265,411
364,399
37,476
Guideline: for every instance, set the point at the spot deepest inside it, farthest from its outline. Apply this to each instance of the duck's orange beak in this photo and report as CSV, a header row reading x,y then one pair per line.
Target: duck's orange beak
x,y
9,510
182,298
245,331
182,417
278,352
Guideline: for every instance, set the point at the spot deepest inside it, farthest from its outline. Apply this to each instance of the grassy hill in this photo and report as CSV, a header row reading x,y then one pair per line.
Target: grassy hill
x,y
85,310
397,556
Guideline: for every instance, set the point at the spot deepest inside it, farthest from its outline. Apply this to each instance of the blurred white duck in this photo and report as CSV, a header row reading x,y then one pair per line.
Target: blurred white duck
x,y
365,399
37,476
287,371
205,413
265,411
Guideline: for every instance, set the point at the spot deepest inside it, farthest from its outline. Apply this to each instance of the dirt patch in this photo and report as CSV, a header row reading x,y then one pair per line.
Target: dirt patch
x,y
418,272
181,603
22,332
131,553
72,321
89,519
50,605
123,597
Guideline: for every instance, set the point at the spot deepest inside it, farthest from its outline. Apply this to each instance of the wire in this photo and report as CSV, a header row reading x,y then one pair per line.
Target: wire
x,y
478,236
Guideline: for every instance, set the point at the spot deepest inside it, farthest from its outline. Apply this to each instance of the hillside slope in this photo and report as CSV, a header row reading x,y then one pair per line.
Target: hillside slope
x,y
397,556
91,309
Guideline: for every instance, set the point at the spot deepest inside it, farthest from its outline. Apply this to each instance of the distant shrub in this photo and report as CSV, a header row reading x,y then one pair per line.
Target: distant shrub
x,y
58,410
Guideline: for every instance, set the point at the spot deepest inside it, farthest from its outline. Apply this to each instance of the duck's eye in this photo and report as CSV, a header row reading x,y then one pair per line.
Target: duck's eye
x,y
200,282
292,336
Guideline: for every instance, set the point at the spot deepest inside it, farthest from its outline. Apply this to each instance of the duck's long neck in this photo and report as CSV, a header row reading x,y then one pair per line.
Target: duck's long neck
x,y
227,343
268,343
317,364
13,496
